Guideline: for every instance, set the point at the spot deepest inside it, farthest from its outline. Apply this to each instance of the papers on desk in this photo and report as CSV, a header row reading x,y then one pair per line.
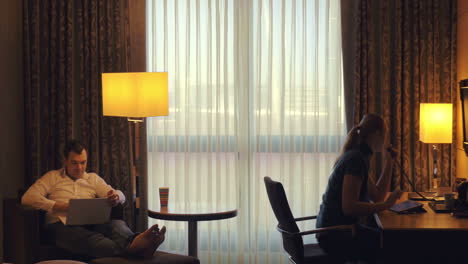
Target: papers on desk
x,y
431,196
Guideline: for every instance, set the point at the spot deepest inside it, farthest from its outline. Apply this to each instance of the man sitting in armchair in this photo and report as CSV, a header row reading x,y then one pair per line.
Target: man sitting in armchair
x,y
54,189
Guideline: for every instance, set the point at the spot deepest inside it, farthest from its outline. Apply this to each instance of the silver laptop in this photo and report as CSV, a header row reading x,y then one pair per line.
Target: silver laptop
x,y
87,212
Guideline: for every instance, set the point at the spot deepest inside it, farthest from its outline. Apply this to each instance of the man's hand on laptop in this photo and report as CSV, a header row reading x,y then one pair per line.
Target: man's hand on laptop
x,y
60,207
112,198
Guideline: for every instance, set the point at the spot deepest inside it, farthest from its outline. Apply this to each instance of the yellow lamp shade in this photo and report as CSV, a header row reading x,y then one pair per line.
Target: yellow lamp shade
x,y
135,94
435,123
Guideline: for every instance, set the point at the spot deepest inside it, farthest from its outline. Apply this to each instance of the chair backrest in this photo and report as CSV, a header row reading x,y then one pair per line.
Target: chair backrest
x,y
294,245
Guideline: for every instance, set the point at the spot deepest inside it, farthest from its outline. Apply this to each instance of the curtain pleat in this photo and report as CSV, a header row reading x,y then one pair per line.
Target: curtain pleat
x,y
406,56
349,38
255,89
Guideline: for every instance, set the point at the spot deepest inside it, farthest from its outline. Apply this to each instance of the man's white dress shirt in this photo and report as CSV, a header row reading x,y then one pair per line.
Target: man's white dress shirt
x,y
56,186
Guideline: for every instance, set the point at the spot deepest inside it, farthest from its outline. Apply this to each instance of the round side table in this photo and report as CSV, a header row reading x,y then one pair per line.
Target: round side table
x,y
192,216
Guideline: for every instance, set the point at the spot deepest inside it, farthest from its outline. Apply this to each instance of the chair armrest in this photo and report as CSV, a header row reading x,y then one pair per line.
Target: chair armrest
x,y
318,230
306,218
21,231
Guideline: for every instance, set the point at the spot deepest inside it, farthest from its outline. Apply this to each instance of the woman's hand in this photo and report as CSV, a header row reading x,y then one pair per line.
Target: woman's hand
x,y
393,197
378,191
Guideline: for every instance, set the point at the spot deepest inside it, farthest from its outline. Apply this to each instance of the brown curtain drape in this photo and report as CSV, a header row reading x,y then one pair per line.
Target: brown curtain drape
x,y
348,44
406,55
48,49
67,45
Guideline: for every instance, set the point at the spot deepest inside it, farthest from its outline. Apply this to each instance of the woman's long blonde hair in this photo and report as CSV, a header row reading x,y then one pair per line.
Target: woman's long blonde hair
x,y
369,124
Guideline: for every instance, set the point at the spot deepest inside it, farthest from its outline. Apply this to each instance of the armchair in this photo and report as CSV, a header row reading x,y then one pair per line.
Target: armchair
x,y
24,238
26,242
293,243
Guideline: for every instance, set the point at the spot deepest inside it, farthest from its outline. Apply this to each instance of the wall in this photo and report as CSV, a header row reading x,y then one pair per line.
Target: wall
x,y
462,73
11,103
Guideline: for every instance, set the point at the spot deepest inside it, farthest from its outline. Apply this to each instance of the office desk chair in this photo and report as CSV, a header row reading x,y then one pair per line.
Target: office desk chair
x,y
293,244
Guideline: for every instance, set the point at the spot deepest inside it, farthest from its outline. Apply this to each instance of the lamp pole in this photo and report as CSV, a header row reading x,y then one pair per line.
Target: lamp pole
x,y
435,179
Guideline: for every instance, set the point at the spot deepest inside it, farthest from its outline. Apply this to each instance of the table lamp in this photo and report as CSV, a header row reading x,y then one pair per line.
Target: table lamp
x,y
135,95
435,126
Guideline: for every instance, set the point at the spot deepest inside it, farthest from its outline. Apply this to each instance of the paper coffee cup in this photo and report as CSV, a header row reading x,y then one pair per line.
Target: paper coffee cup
x,y
163,196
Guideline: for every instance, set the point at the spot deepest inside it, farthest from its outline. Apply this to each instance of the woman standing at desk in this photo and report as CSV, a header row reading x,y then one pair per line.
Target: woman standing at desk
x,y
350,197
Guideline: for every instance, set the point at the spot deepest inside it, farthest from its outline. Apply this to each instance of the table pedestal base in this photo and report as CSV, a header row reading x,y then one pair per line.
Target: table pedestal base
x,y
192,238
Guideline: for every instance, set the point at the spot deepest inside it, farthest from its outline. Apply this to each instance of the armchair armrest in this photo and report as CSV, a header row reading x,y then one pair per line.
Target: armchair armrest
x,y
317,230
21,231
306,218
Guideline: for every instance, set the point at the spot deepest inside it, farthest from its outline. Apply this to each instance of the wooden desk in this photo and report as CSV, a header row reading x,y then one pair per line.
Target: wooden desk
x,y
439,234
192,216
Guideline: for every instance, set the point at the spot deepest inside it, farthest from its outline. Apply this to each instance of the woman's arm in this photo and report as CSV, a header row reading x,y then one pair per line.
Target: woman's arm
x,y
350,198
378,191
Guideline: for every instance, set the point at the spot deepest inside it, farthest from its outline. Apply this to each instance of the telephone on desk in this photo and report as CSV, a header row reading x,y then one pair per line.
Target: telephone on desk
x,y
461,204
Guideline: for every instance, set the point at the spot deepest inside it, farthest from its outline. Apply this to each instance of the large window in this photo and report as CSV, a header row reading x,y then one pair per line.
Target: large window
x,y
255,90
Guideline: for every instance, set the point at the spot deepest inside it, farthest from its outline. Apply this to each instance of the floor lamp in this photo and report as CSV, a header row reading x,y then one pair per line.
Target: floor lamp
x,y
136,95
435,127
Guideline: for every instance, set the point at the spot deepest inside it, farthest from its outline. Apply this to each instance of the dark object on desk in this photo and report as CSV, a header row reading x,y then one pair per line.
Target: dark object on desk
x,y
408,207
457,212
26,241
293,243
460,209
439,207
463,194
461,204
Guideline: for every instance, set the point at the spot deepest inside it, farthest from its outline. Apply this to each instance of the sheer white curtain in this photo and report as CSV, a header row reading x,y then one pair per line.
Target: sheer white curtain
x,y
255,90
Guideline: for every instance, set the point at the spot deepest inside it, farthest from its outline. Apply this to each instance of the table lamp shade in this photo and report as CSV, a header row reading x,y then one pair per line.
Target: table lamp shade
x,y
135,94
435,123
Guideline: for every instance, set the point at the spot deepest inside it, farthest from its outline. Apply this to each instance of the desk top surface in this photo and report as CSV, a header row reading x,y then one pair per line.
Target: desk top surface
x,y
388,220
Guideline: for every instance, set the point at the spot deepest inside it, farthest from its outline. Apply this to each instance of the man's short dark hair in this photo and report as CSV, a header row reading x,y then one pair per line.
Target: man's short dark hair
x,y
73,146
